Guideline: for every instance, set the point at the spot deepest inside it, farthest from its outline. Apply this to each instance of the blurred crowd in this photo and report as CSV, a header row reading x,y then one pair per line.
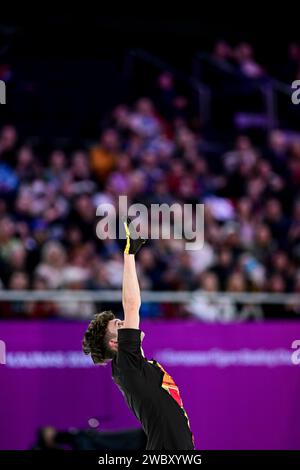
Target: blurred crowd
x,y
152,152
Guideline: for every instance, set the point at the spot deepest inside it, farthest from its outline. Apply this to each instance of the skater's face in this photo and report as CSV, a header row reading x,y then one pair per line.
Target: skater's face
x,y
112,327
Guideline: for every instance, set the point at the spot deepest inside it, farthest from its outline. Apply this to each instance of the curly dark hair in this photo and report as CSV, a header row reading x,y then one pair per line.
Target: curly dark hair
x,y
96,337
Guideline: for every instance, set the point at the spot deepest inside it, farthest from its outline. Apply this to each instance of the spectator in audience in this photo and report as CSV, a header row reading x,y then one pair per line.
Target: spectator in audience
x,y
19,280
8,143
46,439
275,285
244,56
104,155
41,309
53,264
211,309
74,279
223,55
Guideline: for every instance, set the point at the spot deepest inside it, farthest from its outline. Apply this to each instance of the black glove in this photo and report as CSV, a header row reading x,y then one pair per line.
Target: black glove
x,y
132,244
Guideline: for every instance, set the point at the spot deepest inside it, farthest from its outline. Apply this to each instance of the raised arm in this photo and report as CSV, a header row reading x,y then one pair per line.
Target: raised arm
x,y
131,296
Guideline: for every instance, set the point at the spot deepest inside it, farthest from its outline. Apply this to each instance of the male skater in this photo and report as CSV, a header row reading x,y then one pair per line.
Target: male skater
x,y
149,391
